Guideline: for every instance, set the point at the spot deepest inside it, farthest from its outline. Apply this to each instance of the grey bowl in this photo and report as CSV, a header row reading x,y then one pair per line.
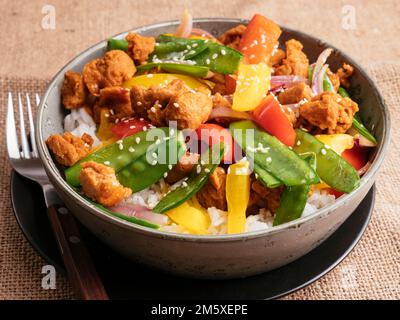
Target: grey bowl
x,y
225,256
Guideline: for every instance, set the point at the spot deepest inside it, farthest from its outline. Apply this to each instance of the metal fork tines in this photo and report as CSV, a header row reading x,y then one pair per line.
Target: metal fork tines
x,y
22,151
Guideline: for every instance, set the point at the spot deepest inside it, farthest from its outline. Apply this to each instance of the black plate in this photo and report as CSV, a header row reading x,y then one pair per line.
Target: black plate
x,y
126,280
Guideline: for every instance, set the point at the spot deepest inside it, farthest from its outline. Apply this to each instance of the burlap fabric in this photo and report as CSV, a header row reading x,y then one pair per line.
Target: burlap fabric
x,y
371,271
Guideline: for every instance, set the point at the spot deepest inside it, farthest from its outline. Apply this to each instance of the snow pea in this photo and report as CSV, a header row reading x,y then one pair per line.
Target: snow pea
x,y
151,166
273,156
113,156
294,199
117,44
206,53
195,181
182,68
331,167
357,124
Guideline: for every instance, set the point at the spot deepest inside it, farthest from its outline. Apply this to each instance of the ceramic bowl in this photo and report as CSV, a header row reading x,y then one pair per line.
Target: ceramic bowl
x,y
224,256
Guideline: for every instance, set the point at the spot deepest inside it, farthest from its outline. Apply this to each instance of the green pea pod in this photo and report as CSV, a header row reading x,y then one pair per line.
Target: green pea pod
x,y
195,181
206,53
117,44
219,58
133,147
266,178
151,166
331,167
191,70
294,199
273,156
357,124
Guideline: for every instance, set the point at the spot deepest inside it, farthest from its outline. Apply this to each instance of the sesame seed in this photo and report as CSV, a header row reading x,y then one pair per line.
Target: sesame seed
x,y
207,61
119,141
198,168
223,52
121,146
107,163
207,170
131,149
112,111
137,140
152,109
165,174
176,104
298,142
144,128
138,103
107,115
215,56
184,184
169,166
194,45
132,127
150,75
252,56
323,151
269,159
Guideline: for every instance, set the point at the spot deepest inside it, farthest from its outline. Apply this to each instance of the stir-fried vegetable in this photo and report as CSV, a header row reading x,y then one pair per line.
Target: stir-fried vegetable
x,y
151,166
129,127
271,117
272,155
120,153
237,196
338,142
206,53
211,133
191,70
294,199
158,79
259,39
191,216
251,86
117,44
195,181
331,167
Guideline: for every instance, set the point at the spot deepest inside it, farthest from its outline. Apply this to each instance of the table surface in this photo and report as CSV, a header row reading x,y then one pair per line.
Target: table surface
x,y
366,30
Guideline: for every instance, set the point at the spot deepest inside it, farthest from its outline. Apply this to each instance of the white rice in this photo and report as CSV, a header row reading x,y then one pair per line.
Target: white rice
x,y
79,122
218,219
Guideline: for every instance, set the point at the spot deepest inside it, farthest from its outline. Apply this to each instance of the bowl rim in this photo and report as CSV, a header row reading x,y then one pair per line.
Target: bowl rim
x,y
55,176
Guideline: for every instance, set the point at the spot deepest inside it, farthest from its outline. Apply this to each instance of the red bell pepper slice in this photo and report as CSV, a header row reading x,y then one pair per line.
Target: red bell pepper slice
x,y
270,116
259,40
210,134
129,127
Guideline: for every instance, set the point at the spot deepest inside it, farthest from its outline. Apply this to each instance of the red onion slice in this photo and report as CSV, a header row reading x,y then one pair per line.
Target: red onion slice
x,y
225,112
202,33
318,66
320,79
185,28
286,80
140,212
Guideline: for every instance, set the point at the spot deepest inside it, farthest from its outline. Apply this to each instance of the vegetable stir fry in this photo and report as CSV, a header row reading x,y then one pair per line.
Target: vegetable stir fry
x,y
189,133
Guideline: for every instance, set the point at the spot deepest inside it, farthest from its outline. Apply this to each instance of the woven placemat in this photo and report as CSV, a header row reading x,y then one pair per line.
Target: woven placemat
x,y
371,271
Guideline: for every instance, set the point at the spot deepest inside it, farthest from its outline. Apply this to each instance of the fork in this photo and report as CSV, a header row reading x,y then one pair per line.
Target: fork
x,y
25,160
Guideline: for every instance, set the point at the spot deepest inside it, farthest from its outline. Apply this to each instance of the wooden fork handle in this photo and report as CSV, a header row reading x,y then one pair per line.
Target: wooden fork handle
x,y
80,268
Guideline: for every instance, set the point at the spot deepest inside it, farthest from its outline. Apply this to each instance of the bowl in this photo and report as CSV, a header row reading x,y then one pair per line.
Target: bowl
x,y
222,256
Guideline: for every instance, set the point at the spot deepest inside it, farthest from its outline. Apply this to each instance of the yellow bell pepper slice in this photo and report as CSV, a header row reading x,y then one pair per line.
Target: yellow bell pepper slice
x,y
191,216
338,143
104,132
252,84
237,196
156,79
